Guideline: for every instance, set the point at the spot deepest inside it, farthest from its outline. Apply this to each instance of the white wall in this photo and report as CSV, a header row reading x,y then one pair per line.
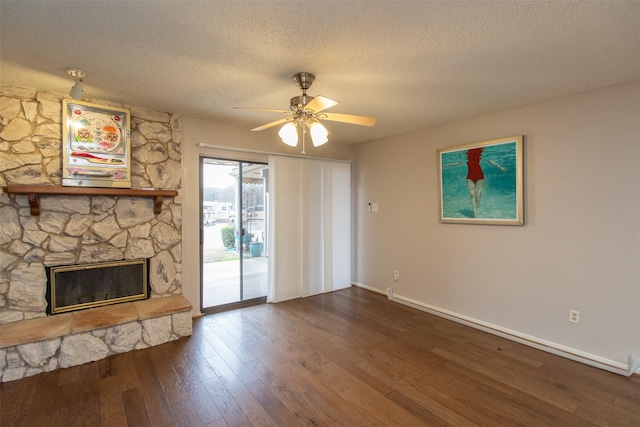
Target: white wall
x,y
195,132
578,250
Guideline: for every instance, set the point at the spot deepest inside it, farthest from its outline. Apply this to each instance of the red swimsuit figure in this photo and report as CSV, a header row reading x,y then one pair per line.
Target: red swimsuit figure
x,y
473,162
475,178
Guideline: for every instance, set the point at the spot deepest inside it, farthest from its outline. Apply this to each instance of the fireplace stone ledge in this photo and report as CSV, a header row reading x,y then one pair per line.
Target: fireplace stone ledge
x,y
111,324
44,328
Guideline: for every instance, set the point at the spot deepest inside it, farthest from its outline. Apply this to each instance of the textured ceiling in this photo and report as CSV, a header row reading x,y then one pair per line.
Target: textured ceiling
x,y
409,64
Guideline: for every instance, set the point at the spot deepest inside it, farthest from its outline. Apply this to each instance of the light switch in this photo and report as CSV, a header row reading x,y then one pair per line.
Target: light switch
x,y
374,207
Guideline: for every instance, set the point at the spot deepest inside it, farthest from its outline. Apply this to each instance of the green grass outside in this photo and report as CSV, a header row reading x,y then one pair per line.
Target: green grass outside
x,y
219,255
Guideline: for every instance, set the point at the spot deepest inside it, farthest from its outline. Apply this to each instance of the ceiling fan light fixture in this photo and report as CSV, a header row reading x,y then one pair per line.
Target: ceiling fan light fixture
x,y
289,134
307,111
319,134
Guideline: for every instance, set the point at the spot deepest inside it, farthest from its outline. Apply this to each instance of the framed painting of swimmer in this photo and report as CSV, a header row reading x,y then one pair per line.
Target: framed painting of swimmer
x,y
482,183
95,145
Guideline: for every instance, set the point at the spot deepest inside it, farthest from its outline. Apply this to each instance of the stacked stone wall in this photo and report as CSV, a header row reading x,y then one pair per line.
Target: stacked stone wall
x,y
81,229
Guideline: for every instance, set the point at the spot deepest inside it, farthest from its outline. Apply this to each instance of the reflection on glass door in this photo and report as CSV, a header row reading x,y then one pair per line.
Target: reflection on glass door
x,y
234,233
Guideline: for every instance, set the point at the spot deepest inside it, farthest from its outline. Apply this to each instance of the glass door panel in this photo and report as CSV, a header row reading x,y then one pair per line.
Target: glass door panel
x,y
254,260
233,260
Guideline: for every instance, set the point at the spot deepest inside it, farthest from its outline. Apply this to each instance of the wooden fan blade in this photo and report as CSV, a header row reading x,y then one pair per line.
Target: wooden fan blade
x,y
263,109
348,118
320,103
269,125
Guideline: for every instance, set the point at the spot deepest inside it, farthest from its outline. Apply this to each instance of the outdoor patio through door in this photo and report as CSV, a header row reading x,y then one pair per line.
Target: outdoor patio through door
x,y
234,200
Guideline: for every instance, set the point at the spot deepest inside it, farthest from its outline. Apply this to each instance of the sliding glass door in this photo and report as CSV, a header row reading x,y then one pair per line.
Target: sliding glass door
x,y
234,200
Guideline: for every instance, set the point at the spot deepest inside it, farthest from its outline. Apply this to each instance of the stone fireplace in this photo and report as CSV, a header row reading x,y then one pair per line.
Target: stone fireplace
x,y
84,229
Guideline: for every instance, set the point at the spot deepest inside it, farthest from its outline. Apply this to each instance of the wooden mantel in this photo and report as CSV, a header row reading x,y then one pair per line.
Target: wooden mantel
x,y
34,191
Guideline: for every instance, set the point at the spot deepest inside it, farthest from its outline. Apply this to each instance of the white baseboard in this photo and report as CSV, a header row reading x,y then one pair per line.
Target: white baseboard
x,y
531,341
369,288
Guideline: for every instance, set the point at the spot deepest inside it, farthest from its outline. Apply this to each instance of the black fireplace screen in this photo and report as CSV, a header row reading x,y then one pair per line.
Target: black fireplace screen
x,y
74,287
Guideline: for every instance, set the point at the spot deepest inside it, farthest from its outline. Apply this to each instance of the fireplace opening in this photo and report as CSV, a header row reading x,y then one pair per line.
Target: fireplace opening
x,y
76,287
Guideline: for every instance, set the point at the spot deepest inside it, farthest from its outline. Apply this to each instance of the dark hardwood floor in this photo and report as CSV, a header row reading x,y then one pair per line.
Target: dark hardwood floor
x,y
348,358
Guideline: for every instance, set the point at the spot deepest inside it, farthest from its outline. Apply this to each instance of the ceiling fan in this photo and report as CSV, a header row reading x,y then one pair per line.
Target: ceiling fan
x,y
307,111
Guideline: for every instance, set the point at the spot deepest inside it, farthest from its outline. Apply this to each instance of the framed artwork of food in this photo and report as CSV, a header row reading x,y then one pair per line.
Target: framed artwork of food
x,y
95,145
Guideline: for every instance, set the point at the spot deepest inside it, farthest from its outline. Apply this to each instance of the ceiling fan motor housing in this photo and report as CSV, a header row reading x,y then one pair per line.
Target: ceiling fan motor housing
x,y
298,102
304,81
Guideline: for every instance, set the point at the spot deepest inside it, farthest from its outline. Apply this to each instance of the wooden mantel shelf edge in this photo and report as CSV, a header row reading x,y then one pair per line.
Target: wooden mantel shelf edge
x,y
33,192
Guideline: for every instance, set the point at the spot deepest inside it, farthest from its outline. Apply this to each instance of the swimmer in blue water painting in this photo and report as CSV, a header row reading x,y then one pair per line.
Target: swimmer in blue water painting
x,y
475,177
481,173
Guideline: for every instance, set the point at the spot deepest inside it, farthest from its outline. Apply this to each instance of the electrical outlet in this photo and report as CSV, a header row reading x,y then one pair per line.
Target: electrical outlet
x,y
374,207
574,316
396,275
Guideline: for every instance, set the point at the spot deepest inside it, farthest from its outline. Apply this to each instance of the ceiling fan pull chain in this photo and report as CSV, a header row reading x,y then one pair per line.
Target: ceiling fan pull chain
x,y
304,132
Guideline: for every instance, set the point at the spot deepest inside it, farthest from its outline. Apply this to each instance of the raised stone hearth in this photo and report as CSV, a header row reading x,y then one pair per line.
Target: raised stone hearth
x,y
40,345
